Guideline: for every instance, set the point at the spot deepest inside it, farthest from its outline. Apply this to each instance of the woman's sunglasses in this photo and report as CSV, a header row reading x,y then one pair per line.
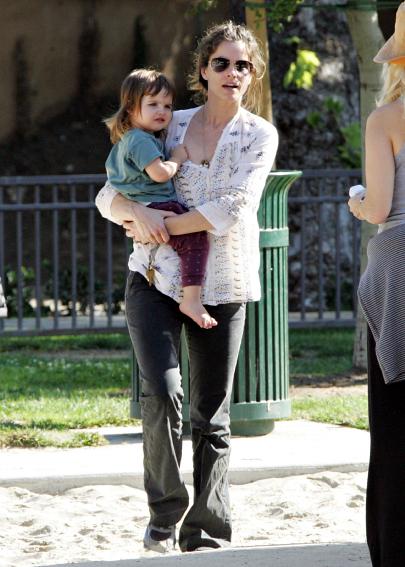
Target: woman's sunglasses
x,y
219,64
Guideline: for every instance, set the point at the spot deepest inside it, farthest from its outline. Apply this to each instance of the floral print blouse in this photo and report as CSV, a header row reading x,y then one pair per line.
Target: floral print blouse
x,y
227,194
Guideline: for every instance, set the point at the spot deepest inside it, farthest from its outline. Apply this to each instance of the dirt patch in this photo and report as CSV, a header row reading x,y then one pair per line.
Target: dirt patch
x,y
339,384
315,392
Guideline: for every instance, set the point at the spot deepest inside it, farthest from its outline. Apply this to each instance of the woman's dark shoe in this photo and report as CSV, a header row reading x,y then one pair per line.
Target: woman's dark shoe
x,y
161,540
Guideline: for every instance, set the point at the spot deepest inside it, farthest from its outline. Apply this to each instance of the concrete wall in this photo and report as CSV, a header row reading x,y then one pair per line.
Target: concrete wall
x,y
55,50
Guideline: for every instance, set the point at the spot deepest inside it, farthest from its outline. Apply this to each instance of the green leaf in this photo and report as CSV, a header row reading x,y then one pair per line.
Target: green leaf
x,y
350,150
314,119
302,71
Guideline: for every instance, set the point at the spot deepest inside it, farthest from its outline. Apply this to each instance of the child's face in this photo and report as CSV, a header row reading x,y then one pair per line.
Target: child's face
x,y
155,113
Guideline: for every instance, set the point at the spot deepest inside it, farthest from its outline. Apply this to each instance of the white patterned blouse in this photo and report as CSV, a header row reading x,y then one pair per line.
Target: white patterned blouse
x,y
227,194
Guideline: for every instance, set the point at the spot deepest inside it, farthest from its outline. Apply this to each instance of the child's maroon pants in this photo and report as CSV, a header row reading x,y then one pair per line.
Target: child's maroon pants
x,y
192,248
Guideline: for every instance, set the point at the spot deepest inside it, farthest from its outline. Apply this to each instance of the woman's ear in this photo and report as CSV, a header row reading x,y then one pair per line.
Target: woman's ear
x,y
203,72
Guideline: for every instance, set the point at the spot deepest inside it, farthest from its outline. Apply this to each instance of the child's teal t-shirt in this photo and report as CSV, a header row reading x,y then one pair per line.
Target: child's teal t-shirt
x,y
126,167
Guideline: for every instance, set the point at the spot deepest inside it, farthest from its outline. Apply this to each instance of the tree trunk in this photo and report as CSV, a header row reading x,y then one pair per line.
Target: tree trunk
x,y
367,39
256,20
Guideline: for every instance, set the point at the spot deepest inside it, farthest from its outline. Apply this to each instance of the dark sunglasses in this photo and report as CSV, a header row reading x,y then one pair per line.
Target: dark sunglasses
x,y
219,64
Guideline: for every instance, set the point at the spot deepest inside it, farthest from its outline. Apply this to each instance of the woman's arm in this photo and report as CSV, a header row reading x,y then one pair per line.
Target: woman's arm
x,y
193,221
246,183
140,222
380,171
243,190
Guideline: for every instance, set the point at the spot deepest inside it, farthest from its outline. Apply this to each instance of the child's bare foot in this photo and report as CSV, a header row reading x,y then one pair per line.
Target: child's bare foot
x,y
197,312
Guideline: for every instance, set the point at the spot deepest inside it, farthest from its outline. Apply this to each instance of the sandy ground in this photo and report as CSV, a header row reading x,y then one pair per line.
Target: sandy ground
x,y
107,522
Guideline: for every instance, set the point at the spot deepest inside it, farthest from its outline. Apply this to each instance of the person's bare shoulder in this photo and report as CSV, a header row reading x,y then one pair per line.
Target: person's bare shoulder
x,y
388,117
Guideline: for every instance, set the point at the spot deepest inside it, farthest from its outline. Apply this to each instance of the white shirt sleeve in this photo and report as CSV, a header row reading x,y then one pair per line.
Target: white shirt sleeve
x,y
103,202
246,182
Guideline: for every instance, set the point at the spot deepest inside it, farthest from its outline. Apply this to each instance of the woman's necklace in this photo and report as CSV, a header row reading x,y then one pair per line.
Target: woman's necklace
x,y
204,162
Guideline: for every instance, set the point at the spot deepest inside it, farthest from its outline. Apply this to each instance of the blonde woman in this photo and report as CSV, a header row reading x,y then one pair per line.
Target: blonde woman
x,y
382,297
230,154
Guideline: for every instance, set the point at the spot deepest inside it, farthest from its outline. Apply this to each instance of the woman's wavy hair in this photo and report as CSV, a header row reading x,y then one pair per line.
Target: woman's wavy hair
x,y
393,87
213,37
135,86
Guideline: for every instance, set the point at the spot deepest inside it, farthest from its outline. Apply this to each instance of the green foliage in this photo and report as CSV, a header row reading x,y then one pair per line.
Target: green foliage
x,y
346,292
332,108
65,282
303,70
293,40
350,150
277,12
82,289
27,291
314,119
200,6
333,105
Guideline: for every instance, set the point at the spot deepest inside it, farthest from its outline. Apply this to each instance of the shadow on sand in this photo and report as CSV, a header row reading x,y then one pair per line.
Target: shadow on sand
x,y
325,555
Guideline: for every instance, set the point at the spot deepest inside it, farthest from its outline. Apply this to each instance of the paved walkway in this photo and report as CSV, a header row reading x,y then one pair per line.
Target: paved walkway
x,y
294,447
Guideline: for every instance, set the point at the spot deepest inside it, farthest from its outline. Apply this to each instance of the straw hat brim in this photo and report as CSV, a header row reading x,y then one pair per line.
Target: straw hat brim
x,y
387,53
393,50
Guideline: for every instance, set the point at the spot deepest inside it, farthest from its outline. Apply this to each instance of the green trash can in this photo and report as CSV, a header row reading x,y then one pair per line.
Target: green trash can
x,y
260,392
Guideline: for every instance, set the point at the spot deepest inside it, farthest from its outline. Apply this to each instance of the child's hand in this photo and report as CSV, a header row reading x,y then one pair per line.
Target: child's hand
x,y
179,154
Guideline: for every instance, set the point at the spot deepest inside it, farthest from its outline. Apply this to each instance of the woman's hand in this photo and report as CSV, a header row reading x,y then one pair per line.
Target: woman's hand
x,y
355,207
147,225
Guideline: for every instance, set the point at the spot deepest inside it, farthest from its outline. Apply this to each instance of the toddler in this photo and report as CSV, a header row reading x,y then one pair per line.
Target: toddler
x,y
136,168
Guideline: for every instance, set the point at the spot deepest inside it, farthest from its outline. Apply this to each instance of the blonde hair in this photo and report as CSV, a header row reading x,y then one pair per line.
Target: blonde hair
x,y
135,86
229,31
393,76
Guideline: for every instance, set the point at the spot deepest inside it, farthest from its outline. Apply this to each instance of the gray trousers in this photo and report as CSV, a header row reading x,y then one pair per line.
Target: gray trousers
x,y
155,323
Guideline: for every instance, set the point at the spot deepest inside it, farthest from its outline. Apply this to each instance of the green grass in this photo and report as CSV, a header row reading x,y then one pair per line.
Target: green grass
x,y
115,341
351,411
45,398
59,393
320,352
317,355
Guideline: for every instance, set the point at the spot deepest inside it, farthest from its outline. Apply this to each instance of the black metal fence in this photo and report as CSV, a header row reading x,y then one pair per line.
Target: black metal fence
x,y
324,257
64,267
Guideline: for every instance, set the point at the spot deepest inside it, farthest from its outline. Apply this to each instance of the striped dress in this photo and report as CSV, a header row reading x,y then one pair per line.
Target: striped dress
x,y
382,286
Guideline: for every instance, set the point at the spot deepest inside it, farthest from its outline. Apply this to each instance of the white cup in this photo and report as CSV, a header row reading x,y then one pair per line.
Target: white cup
x,y
357,191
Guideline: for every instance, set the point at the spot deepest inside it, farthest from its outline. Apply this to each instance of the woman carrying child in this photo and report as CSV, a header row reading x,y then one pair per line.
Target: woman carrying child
x,y
230,152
